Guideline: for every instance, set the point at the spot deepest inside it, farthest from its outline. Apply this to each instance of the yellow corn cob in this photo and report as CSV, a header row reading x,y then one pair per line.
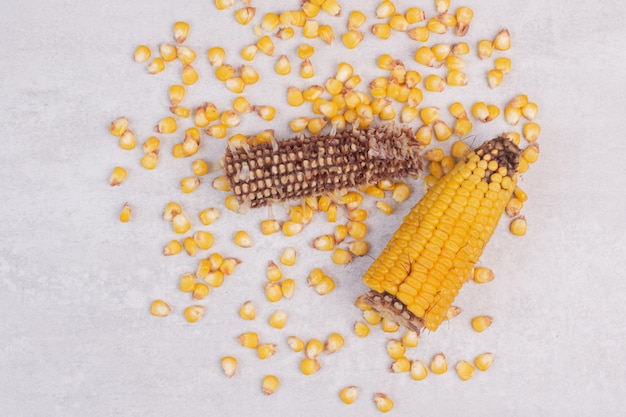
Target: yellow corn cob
x,y
310,166
419,273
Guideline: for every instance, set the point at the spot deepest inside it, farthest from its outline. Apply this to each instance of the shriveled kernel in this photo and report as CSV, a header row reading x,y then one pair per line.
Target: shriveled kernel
x,y
383,402
464,370
481,323
142,54
484,361
439,364
160,308
247,311
518,226
278,319
418,371
349,394
249,340
361,329
270,384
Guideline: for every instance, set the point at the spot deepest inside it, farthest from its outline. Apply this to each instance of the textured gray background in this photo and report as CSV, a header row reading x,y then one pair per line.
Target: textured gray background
x,y
75,284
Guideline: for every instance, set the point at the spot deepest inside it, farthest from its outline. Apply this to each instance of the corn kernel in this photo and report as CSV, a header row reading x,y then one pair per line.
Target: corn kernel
x,y
166,125
464,370
439,364
381,30
484,361
167,52
315,277
513,207
349,394
418,370
410,339
189,184
273,291
481,323
435,25
531,131
156,65
436,84
194,313
190,246
187,282
389,326
247,311
151,144
309,366
160,308
419,33
334,342
425,56
266,350
395,349
325,286
518,226
331,7
494,77
278,319
228,265
270,384
313,348
326,33
414,15
502,41
400,365
117,176
352,38
180,224
424,135
249,340
288,287
385,9
142,53
372,317
383,402
485,49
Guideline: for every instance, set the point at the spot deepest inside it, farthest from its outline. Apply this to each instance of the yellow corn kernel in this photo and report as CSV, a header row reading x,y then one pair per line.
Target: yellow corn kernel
x,y
464,370
183,112
313,348
383,402
185,54
167,52
518,226
395,349
442,6
414,15
340,233
214,261
456,78
442,130
230,118
483,275
325,286
326,33
361,329
151,144
435,25
204,240
324,242
349,394
228,265
229,366
291,228
298,124
270,22
273,272
305,51
434,83
441,51
399,22
278,319
310,9
531,153
418,371
352,38
502,64
419,33
381,30
156,65
249,340
462,127
429,114
447,163
189,184
166,125
282,66
502,41
439,364
171,210
464,16
194,313
187,282
531,131
180,224
400,365
224,4
389,326
357,229
334,342
385,9
331,7
309,366
494,77
518,101
200,291
208,216
265,112
387,113
425,56
481,323
190,246
315,277
384,207
160,308
288,287
273,291
452,312
142,54
530,110
415,97
485,49
216,56
372,317
266,350
512,115
484,361
316,124
355,21
311,29
435,169
480,111
125,213
245,15
424,135
306,69
513,207
410,339
214,278
460,149
117,176
434,155
247,311
270,384
265,45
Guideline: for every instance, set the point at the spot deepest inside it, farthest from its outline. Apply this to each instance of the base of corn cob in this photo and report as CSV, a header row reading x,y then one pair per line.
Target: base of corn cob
x,y
307,166
419,273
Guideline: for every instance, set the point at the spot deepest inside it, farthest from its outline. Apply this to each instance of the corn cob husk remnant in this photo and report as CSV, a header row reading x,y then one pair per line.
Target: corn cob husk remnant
x,y
308,166
419,273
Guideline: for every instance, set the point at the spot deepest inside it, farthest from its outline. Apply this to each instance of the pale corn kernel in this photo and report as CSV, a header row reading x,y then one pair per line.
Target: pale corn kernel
x,y
273,291
160,308
384,207
424,135
400,365
311,29
483,275
385,9
419,33
410,339
530,110
216,56
288,287
324,242
418,371
127,140
383,402
156,65
519,101
295,343
213,262
452,312
183,112
309,366
189,184
361,329
228,265
125,213
502,41
464,370
441,51
531,131
266,350
395,349
372,317
305,51
456,78
278,319
151,144
442,6
485,49
236,85
245,15
247,311
518,226
430,181
401,192
313,348
167,52
480,111
180,224
481,323
285,33
513,207
484,361
190,246
389,326
435,169
249,340
461,48
142,54
356,20
439,364
326,33
494,77
349,394
531,153
447,163
208,216
118,175
325,286
185,54
442,131
331,7
381,30
270,384
334,342
171,210
454,62
194,313
512,115
352,38
387,113
273,272
229,366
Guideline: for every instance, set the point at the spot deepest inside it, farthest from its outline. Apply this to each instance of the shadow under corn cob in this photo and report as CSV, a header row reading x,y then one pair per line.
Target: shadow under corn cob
x,y
419,273
308,166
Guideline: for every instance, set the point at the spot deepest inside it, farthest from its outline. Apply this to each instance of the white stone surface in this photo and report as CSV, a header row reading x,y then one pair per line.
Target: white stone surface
x,y
76,338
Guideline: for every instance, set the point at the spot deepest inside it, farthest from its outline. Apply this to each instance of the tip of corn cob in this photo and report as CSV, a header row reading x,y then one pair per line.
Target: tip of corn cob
x,y
299,167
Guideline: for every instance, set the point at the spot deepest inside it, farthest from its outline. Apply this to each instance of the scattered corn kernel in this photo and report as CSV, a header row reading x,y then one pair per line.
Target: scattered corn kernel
x,y
325,286
439,364
125,213
349,394
167,51
270,384
180,224
249,340
309,366
334,342
229,366
464,370
418,371
483,275
142,53
295,343
518,226
410,339
400,365
481,323
383,402
247,311
483,361
160,308
273,291
288,257
190,246
189,184
313,348
502,41
156,65
118,126
494,77
395,349
485,49
531,131
266,350
194,313
242,239
278,319
389,326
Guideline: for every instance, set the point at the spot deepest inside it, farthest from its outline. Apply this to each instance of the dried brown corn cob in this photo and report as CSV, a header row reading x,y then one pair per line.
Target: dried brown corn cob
x,y
431,255
304,166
